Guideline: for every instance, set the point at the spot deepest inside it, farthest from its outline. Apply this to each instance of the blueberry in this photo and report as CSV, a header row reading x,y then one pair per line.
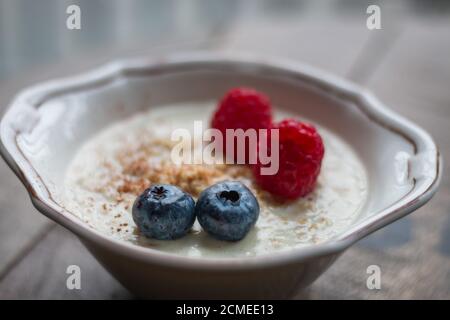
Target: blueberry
x,y
164,212
227,210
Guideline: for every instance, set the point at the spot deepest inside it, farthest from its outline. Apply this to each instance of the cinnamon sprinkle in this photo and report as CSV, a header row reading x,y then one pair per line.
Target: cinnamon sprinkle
x,y
137,166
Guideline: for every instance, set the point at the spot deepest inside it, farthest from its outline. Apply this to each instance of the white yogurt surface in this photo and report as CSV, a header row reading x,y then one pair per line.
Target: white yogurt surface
x,y
111,169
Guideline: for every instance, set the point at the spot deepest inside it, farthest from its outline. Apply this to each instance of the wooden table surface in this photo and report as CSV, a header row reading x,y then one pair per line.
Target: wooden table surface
x,y
406,64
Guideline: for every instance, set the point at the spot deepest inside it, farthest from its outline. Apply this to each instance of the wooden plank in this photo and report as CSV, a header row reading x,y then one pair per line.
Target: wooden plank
x,y
42,273
306,40
20,224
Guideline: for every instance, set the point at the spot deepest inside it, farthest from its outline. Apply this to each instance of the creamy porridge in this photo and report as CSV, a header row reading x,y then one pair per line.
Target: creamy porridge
x,y
116,165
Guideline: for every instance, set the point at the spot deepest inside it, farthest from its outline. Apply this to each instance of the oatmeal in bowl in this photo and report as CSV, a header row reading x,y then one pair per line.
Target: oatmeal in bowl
x,y
119,163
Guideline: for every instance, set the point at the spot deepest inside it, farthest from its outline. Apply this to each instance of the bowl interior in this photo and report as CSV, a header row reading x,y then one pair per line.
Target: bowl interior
x,y
65,120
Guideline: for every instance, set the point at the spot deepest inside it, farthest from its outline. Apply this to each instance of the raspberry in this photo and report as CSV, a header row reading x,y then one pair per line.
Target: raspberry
x,y
242,108
301,152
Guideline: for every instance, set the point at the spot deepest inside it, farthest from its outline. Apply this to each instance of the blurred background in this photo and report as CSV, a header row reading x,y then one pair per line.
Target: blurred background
x,y
406,64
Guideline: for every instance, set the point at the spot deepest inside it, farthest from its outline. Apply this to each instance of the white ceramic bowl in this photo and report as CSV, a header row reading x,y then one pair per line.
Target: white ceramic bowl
x,y
45,125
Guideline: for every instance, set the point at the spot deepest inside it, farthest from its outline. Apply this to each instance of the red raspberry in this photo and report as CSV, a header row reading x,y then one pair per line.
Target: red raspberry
x,y
301,152
242,108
